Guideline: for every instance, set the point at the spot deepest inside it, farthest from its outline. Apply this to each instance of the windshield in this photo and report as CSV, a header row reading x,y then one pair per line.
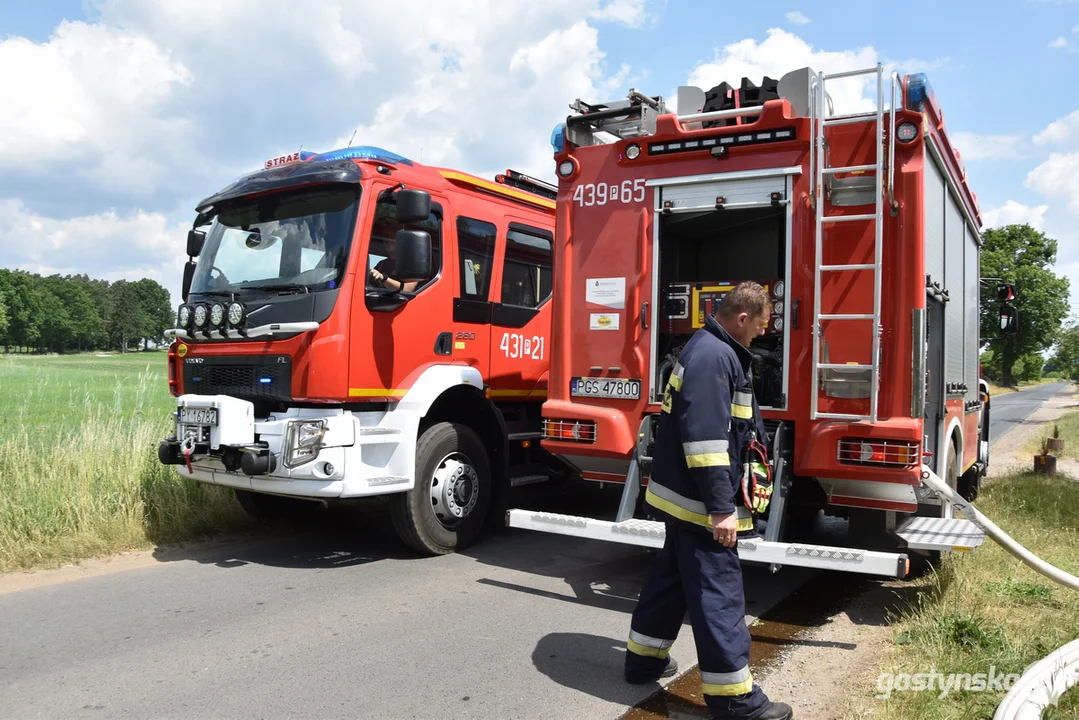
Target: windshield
x,y
291,239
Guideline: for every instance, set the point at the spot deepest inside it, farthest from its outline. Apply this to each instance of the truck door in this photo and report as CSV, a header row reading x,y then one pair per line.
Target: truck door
x,y
472,306
934,366
521,314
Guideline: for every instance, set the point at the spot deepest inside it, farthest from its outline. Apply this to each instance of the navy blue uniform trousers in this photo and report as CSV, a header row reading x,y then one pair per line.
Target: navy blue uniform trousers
x,y
694,572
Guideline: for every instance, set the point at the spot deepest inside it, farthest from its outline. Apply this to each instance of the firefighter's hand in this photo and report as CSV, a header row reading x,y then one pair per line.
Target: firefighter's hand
x,y
725,529
376,275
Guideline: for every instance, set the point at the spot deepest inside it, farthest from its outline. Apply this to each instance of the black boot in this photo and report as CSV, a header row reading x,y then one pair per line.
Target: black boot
x,y
669,671
776,711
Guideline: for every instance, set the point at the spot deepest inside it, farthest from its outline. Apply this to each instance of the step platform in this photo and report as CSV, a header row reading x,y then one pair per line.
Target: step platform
x,y
943,534
645,533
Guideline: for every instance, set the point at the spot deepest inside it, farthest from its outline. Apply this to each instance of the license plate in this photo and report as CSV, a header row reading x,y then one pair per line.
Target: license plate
x,y
599,387
198,416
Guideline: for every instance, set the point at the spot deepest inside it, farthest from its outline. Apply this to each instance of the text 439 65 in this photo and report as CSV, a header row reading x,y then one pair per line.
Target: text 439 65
x,y
628,191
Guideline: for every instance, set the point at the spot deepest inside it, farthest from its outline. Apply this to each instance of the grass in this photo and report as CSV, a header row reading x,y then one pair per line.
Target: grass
x,y
1068,426
79,475
995,389
987,610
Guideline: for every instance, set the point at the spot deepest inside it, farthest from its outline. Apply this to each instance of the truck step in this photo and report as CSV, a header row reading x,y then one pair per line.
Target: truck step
x,y
928,533
645,533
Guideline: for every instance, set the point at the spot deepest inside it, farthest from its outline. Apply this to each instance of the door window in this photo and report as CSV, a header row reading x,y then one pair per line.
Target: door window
x,y
383,248
476,247
527,274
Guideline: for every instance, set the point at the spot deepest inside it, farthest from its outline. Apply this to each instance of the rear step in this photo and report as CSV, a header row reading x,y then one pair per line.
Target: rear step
x,y
929,533
646,533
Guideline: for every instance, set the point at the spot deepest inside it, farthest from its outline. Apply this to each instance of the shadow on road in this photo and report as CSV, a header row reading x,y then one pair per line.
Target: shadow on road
x,y
589,664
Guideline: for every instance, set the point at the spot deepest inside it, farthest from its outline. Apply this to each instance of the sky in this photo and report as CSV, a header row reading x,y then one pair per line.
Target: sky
x,y
118,116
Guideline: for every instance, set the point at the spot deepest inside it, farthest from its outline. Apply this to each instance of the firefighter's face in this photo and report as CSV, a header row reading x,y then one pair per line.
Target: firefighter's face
x,y
746,328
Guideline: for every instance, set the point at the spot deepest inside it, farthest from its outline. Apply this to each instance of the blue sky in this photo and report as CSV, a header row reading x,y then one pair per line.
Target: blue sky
x,y
121,114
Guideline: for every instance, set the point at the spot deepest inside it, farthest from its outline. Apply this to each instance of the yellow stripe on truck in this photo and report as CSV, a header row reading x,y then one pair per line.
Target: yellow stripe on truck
x,y
377,392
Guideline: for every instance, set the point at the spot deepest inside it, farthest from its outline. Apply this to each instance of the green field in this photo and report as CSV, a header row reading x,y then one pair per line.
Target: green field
x,y
79,475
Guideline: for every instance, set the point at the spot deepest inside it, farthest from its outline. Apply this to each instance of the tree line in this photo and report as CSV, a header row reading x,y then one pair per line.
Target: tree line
x,y
76,313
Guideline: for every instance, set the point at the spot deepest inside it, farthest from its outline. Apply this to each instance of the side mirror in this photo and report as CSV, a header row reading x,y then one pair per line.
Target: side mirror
x,y
195,240
1009,320
413,206
413,263
1005,292
189,274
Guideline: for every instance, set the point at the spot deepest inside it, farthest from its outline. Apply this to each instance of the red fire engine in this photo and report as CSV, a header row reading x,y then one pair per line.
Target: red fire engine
x,y
866,235
357,324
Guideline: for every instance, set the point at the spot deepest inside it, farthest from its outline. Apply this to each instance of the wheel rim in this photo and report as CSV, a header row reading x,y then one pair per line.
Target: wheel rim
x,y
455,490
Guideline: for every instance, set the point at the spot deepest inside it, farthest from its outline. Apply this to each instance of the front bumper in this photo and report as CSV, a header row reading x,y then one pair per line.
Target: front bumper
x,y
365,453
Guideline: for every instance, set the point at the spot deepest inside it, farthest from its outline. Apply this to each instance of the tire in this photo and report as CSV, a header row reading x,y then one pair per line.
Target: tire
x,y
970,485
276,509
445,511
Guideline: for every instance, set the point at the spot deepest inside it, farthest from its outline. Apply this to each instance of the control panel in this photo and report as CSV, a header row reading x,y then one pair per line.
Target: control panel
x,y
686,305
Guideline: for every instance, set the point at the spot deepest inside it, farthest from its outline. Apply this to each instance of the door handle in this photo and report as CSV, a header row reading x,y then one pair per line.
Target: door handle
x,y
644,315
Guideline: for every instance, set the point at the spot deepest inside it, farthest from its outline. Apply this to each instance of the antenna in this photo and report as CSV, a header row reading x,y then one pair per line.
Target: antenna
x,y
353,137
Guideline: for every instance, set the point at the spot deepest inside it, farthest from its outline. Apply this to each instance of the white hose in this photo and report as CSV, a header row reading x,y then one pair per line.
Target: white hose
x,y
1046,680
932,481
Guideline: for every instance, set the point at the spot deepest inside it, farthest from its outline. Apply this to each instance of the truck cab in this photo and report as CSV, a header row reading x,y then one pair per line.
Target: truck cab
x,y
357,324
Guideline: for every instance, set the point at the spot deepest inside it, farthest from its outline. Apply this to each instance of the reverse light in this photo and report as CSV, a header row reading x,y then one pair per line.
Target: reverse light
x,y
200,316
633,151
217,314
906,132
236,314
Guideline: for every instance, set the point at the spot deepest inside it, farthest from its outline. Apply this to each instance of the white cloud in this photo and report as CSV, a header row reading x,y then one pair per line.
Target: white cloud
x,y
974,146
1015,213
104,245
1059,131
1060,43
1057,177
798,18
630,13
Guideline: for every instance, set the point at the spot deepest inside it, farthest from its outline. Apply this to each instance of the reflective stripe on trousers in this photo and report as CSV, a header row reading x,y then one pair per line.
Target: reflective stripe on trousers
x,y
738,682
646,646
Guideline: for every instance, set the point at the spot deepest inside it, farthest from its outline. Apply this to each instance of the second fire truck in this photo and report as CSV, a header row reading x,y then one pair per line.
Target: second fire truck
x,y
864,231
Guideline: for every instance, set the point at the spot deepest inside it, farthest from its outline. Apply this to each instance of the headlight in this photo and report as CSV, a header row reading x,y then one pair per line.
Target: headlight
x,y
305,441
236,314
633,152
217,314
778,289
184,316
200,315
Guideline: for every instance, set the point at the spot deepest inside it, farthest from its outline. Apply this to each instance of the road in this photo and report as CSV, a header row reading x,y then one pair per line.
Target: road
x,y
342,622
1007,411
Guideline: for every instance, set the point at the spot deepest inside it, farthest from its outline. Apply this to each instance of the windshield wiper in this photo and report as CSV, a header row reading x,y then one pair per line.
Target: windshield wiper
x,y
281,288
214,293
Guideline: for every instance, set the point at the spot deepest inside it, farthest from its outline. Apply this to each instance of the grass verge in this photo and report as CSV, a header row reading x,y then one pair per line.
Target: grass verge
x,y
1068,425
986,611
79,475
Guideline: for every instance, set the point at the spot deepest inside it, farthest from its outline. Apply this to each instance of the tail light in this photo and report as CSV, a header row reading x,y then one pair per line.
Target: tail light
x,y
582,431
880,453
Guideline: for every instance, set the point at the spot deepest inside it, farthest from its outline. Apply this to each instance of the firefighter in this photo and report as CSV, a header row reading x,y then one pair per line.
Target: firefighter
x,y
708,424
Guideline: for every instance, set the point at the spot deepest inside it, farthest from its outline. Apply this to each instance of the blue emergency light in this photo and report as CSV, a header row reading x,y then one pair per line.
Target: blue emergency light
x,y
364,152
919,91
558,138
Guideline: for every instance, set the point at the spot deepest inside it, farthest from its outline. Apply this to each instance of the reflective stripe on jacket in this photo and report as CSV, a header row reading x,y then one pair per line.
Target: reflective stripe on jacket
x,y
708,412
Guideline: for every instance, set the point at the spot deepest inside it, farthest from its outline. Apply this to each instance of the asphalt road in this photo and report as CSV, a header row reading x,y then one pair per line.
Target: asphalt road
x,y
1007,411
342,622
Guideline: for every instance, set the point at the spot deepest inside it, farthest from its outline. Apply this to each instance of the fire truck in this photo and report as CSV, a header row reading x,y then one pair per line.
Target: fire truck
x,y
357,324
864,231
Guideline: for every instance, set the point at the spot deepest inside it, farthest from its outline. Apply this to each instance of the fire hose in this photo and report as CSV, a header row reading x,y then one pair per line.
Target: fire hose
x,y
1046,680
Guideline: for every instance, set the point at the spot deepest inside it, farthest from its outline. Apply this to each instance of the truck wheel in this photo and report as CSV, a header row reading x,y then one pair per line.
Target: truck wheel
x,y
445,511
274,508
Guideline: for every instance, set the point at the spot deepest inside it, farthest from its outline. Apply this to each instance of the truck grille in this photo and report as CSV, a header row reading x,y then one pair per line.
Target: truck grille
x,y
256,379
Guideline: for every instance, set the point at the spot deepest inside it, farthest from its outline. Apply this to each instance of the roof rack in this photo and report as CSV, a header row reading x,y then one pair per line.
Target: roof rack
x,y
527,183
633,117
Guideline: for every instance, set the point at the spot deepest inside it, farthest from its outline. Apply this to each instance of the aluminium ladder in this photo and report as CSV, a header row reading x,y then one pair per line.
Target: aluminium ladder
x,y
820,168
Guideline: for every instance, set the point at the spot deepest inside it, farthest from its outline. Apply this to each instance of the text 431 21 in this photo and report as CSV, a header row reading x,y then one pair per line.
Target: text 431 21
x,y
521,346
